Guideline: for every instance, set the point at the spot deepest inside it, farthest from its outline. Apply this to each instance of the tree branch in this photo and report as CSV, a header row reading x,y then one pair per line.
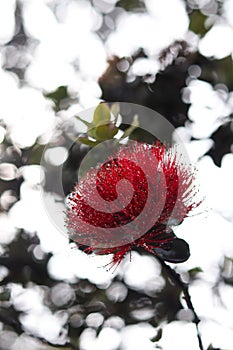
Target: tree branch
x,y
175,277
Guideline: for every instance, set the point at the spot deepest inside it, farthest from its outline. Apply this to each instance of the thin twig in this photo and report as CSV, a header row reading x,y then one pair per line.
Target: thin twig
x,y
175,277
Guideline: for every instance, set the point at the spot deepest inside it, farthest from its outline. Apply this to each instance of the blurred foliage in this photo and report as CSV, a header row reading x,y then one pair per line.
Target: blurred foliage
x,y
216,71
162,93
131,5
193,273
59,96
197,22
35,154
220,148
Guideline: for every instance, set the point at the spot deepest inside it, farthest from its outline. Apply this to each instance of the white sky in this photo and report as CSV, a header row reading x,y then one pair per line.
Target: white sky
x,y
72,39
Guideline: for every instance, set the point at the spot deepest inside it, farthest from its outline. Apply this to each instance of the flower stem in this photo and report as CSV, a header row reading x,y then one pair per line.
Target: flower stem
x,y
176,279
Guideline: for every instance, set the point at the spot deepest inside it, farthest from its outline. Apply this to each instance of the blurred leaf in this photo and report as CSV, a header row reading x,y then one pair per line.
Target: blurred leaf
x,y
5,295
58,95
35,154
197,22
102,114
224,71
194,271
130,5
215,70
158,336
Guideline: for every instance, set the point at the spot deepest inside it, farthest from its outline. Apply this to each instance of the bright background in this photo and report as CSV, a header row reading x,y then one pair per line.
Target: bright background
x,y
58,293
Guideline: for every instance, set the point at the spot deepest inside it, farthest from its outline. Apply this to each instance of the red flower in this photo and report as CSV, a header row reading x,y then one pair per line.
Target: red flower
x,y
132,200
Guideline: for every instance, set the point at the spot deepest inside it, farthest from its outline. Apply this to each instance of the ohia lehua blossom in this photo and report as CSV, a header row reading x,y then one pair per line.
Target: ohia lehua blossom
x,y
132,201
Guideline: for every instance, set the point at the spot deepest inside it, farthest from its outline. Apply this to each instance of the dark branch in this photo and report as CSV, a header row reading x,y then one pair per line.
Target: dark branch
x,y
176,279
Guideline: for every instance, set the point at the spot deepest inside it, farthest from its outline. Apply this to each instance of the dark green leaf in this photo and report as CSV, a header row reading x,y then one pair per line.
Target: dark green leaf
x,y
87,141
130,5
158,336
197,22
194,271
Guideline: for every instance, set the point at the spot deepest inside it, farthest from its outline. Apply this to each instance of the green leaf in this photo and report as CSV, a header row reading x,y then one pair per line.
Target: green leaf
x,y
158,336
61,93
92,132
102,114
105,131
87,141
